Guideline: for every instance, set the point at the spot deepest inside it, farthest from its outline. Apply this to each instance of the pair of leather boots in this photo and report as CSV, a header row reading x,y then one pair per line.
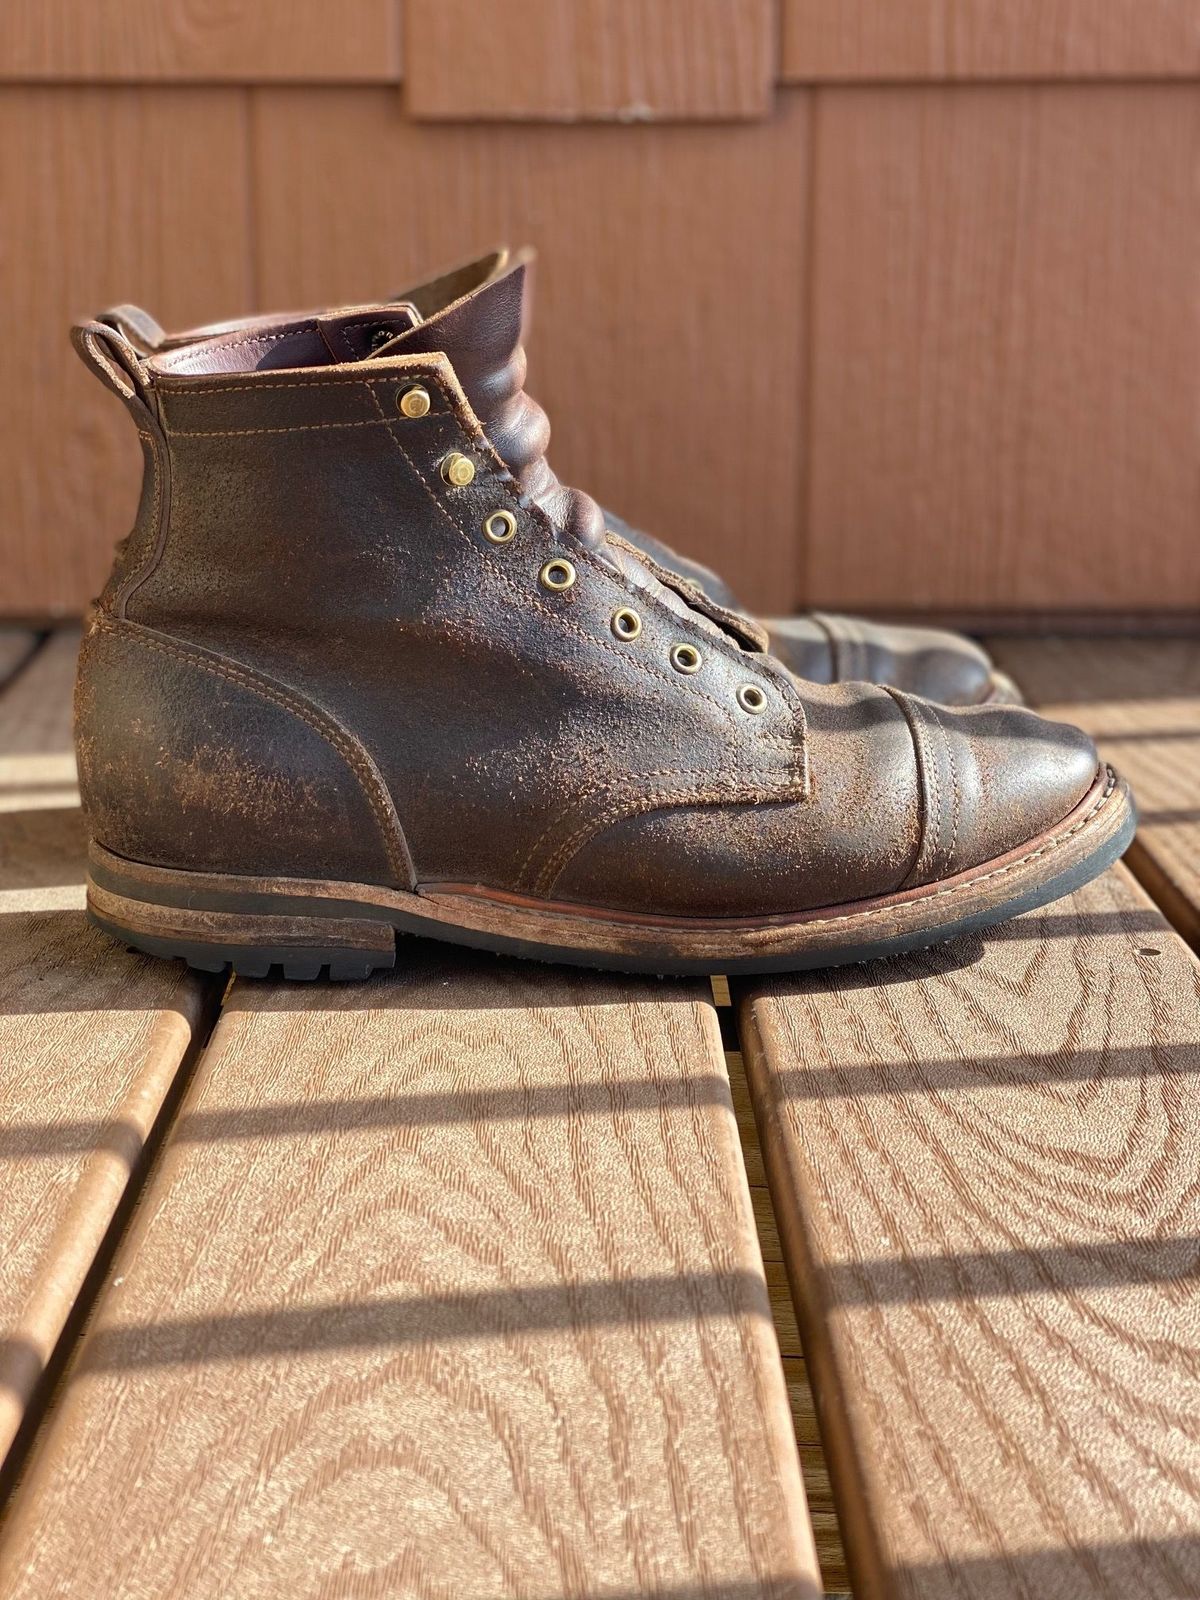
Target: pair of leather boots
x,y
365,665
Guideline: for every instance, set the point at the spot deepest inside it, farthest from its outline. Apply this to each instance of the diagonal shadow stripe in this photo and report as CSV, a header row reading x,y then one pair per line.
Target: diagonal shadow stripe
x,y
1122,1570
1053,1269
419,1319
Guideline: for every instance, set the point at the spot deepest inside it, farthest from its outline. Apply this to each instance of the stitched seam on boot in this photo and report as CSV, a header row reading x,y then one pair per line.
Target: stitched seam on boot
x,y
737,791
638,805
927,788
370,780
952,854
158,542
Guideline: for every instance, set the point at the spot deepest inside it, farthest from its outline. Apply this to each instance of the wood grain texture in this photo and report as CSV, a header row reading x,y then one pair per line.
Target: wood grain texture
x,y
1006,349
986,1166
668,338
110,195
444,1284
90,1037
206,41
1140,700
581,60
903,40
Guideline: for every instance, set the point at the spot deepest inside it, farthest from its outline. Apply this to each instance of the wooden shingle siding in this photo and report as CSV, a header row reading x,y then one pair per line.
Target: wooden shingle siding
x,y
576,60
845,41
1005,348
200,41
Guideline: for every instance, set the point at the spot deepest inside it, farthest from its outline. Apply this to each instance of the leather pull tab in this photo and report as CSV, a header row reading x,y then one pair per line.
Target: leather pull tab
x,y
135,325
361,332
115,362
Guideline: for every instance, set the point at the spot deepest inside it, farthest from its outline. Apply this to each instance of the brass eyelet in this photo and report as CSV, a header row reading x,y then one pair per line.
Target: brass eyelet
x,y
499,527
625,624
457,470
686,658
751,698
557,575
414,402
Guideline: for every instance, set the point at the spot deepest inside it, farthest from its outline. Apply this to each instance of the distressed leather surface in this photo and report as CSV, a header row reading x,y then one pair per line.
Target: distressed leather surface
x,y
820,647
300,536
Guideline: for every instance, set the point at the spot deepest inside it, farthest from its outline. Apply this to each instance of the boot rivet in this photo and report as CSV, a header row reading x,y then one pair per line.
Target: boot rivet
x,y
414,402
557,575
626,624
751,698
685,658
458,470
500,527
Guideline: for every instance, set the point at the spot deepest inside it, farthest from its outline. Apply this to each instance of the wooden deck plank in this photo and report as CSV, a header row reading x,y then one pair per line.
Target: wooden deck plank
x,y
16,645
1140,699
986,1166
90,1037
830,1556
445,1284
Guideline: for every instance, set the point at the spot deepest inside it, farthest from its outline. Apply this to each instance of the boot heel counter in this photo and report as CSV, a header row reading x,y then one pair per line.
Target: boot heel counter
x,y
189,760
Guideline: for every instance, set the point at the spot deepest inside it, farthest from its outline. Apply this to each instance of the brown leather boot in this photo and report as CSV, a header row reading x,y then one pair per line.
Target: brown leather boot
x,y
821,647
365,665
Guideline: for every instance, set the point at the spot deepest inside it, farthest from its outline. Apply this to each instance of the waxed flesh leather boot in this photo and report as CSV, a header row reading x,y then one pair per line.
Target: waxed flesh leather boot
x,y
821,647
365,666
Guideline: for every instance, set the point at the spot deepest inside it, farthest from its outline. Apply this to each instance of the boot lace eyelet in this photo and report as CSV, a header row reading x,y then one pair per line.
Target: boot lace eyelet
x,y
752,699
557,575
686,658
499,527
625,623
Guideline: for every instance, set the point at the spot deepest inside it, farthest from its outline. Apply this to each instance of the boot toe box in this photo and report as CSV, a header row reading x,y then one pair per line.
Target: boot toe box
x,y
993,778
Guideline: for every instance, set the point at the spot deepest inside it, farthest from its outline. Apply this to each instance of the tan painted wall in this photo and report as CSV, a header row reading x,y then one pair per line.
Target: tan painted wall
x,y
891,303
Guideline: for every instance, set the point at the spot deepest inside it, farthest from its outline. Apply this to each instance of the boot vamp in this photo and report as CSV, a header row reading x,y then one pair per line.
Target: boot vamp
x,y
855,836
903,794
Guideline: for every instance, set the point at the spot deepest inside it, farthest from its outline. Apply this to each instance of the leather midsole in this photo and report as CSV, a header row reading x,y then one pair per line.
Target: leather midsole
x,y
224,908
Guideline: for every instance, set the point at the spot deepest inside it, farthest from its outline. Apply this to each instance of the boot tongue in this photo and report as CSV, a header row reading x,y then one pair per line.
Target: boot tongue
x,y
481,334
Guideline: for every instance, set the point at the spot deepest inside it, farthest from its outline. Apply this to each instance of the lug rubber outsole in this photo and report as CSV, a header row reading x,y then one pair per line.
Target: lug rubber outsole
x,y
304,929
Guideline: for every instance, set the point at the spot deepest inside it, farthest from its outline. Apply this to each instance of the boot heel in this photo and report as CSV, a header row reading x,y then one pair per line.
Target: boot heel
x,y
218,922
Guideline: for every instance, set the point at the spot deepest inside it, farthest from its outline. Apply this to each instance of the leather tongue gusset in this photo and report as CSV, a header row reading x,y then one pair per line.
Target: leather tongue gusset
x,y
747,633
355,333
482,334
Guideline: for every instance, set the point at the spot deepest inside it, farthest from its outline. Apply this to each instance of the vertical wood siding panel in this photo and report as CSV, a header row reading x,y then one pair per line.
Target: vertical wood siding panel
x,y
668,336
110,194
216,41
1006,333
845,40
628,60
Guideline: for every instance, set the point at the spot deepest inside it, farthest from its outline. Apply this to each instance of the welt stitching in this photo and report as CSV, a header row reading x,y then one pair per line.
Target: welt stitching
x,y
532,600
341,743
